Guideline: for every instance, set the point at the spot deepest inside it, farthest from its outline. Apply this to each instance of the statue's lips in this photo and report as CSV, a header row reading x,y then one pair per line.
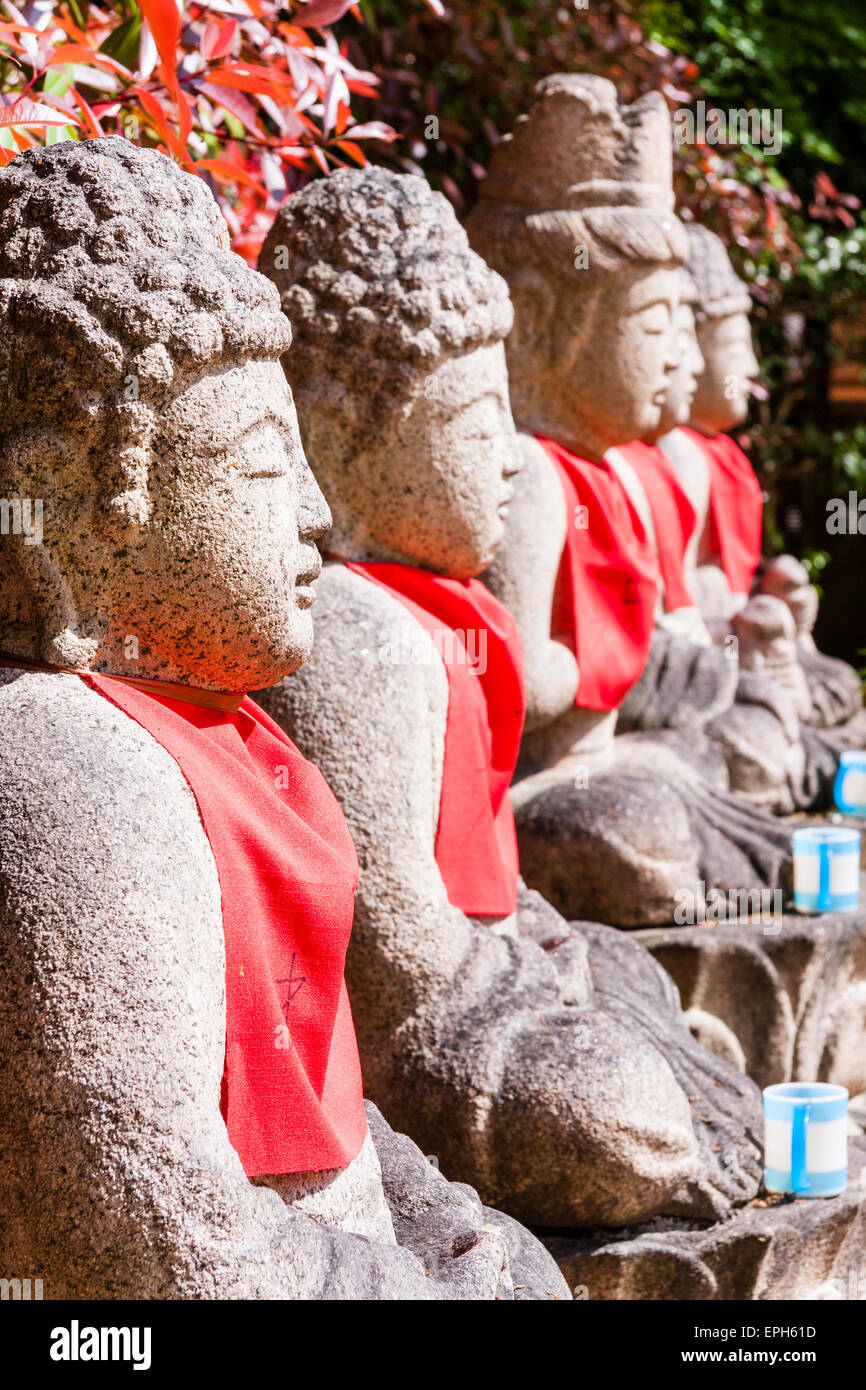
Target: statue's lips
x,y
305,593
505,502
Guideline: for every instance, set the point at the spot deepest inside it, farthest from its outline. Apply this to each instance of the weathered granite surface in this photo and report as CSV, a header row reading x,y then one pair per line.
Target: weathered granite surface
x,y
117,1179
771,1249
496,1050
783,999
442,1222
496,1055
608,829
142,400
830,690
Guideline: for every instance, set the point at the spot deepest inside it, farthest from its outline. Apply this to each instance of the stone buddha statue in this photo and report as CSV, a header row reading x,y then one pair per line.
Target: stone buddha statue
x,y
545,1062
576,212
180,1096
680,686
725,559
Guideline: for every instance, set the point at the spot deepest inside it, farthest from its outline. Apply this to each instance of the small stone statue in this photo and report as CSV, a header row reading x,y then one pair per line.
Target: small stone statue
x,y
725,560
681,686
754,663
576,212
180,1098
545,1062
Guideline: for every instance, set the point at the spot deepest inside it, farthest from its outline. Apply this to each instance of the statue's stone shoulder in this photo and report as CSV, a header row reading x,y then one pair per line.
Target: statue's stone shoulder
x,y
87,796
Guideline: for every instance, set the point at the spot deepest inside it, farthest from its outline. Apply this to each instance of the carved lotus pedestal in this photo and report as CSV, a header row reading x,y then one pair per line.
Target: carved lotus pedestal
x,y
783,1000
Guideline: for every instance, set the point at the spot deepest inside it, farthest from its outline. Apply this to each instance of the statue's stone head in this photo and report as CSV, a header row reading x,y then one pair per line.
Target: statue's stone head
x,y
683,380
722,304
145,418
577,213
398,368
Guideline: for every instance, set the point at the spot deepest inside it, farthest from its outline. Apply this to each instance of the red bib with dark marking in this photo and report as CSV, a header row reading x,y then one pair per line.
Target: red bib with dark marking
x,y
291,1093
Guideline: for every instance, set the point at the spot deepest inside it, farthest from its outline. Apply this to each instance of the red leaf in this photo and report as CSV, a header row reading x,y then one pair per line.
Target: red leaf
x,y
353,151
251,77
163,20
89,118
217,39
158,116
33,113
231,170
318,13
372,130
234,102
80,53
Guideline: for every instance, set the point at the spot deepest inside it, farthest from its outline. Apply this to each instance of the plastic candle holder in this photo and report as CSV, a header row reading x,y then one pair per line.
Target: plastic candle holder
x,y
849,789
806,1139
826,869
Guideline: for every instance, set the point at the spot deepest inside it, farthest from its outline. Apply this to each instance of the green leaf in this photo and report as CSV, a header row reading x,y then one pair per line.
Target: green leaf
x,y
123,42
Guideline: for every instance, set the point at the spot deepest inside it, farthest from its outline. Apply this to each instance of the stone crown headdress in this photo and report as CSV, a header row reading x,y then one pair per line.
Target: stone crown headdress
x,y
581,169
719,290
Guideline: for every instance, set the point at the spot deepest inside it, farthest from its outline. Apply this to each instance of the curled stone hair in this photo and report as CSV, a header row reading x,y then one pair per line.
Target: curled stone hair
x,y
719,291
580,170
380,283
114,264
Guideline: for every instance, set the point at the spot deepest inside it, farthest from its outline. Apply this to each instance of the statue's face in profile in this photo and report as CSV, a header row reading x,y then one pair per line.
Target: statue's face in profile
x,y
627,349
683,381
222,580
722,396
433,485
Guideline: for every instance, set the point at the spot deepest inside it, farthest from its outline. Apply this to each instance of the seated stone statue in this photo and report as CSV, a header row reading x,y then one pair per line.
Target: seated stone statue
x,y
180,1096
725,558
686,681
576,213
752,717
544,1062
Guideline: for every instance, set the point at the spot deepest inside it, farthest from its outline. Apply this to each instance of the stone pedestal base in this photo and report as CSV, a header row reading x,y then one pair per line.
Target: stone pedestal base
x,y
772,1249
783,999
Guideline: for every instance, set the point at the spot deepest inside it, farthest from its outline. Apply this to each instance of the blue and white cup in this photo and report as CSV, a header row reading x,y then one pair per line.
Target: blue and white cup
x,y
826,869
849,789
806,1138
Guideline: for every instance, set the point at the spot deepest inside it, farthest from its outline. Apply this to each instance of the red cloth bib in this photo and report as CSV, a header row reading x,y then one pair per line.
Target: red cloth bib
x,y
291,1095
477,639
674,518
606,590
736,509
